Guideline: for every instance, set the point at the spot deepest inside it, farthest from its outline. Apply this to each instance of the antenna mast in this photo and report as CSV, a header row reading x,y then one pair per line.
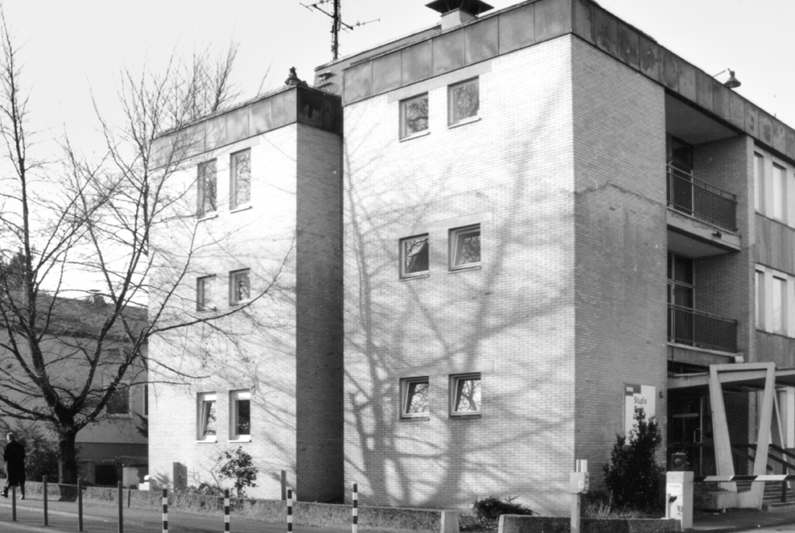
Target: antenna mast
x,y
336,22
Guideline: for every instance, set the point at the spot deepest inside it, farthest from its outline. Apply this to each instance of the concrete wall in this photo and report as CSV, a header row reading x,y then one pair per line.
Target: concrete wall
x,y
511,320
621,245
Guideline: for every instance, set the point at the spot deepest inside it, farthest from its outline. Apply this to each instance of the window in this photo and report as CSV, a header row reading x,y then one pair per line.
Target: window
x,y
779,305
207,416
465,247
463,100
414,397
119,402
414,256
759,183
240,415
465,395
206,182
779,192
240,187
760,299
204,294
413,116
239,287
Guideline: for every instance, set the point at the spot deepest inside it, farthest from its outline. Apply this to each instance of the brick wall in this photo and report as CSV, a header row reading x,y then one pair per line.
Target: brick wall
x,y
621,245
512,319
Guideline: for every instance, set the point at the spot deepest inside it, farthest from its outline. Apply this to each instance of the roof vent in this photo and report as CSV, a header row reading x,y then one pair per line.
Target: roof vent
x,y
458,12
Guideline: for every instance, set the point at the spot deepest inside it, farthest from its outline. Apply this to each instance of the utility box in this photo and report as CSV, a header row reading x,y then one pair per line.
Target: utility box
x,y
579,482
679,498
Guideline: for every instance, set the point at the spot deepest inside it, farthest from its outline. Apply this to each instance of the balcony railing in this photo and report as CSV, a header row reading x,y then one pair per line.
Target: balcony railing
x,y
692,196
703,330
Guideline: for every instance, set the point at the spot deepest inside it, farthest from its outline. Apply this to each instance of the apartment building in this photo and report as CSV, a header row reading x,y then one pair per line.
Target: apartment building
x,y
547,219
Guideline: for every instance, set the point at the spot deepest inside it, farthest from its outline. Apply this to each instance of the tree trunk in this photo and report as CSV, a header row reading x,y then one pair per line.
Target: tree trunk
x,y
67,458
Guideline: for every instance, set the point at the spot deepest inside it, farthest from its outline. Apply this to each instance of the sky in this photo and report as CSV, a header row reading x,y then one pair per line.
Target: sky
x,y
73,51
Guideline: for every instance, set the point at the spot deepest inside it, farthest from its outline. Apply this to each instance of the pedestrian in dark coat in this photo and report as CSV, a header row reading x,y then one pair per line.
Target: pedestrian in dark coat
x,y
14,457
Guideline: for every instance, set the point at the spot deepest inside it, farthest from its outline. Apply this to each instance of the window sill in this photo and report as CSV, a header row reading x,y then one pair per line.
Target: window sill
x,y
464,269
244,438
207,310
208,216
418,276
424,133
415,418
207,440
238,209
464,122
472,416
240,302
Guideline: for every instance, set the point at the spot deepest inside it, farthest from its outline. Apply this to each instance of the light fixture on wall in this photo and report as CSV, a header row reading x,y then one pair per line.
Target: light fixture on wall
x,y
732,82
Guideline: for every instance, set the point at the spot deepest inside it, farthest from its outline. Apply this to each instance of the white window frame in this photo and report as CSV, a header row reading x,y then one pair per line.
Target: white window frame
x,y
779,296
404,104
407,386
235,397
404,251
234,201
456,382
233,296
451,119
205,291
779,178
203,400
761,300
201,188
759,183
453,240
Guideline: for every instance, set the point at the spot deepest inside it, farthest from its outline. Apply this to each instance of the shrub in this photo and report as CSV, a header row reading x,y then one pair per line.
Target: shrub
x,y
633,475
41,453
491,508
239,468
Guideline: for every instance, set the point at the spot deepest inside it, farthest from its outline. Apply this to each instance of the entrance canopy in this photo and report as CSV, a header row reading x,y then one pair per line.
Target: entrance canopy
x,y
738,375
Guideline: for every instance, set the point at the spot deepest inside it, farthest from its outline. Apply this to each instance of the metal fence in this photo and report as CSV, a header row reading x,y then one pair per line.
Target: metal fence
x,y
695,197
703,330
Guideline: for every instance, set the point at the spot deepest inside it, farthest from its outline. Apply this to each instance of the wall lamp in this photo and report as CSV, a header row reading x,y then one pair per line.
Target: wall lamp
x,y
732,82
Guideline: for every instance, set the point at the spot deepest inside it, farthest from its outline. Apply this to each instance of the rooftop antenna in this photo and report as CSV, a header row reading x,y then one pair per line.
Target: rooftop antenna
x,y
337,24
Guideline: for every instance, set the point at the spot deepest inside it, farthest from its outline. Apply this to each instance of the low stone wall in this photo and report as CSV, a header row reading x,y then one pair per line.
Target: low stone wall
x,y
375,519
540,524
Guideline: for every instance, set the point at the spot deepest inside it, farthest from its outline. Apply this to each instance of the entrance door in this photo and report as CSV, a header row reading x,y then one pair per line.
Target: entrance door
x,y
686,430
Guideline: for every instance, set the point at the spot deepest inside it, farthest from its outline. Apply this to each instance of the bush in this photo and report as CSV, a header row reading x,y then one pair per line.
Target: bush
x,y
633,475
491,508
239,468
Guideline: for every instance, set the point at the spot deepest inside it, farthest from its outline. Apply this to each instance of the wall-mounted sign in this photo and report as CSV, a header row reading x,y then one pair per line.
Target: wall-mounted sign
x,y
638,396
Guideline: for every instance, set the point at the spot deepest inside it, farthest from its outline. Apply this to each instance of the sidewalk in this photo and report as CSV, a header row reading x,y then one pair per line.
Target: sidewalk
x,y
102,518
741,520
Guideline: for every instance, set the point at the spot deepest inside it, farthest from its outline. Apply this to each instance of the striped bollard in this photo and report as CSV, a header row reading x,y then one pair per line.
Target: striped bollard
x,y
165,510
289,510
355,509
226,510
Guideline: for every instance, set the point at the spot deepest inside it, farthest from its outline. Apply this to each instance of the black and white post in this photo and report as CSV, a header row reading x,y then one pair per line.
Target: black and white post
x,y
355,509
226,510
289,510
165,510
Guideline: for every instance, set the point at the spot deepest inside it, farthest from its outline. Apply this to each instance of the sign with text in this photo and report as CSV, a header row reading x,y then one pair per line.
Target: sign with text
x,y
638,396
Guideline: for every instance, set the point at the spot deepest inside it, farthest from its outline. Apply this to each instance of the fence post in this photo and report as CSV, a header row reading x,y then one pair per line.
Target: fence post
x,y
13,503
120,498
226,510
165,510
283,480
79,504
46,518
355,509
289,510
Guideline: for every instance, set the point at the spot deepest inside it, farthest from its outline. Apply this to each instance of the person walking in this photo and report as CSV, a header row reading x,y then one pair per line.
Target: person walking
x,y
14,457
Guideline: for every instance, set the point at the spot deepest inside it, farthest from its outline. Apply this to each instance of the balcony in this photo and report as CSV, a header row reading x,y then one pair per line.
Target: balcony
x,y
690,195
701,330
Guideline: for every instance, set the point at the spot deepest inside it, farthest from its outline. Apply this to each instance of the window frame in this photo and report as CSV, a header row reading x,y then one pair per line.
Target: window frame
x,y
203,283
203,398
404,104
451,103
232,293
405,398
201,191
453,244
779,320
235,397
454,394
234,202
404,274
761,300
124,390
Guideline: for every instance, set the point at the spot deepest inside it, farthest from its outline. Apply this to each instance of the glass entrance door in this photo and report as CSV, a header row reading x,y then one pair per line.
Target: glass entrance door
x,y
686,430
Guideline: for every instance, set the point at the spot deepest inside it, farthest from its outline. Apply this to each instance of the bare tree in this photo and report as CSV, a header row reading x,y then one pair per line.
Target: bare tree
x,y
87,223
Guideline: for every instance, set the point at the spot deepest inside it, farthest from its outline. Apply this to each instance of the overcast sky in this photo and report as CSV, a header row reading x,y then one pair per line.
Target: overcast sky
x,y
73,49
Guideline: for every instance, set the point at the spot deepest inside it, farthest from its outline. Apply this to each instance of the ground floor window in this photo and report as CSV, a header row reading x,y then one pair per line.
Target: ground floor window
x,y
465,395
207,416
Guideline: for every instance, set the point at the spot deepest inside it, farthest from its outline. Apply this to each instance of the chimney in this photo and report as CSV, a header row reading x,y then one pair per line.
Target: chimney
x,y
458,12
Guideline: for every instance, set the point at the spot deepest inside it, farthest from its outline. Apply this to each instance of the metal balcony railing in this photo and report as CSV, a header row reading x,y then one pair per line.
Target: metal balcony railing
x,y
703,330
692,196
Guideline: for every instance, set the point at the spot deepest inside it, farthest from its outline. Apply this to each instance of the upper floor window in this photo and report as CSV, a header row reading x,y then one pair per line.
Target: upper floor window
x,y
239,287
463,100
779,192
759,183
206,414
413,115
760,299
465,247
465,394
240,186
414,397
207,187
681,281
204,293
119,401
414,256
